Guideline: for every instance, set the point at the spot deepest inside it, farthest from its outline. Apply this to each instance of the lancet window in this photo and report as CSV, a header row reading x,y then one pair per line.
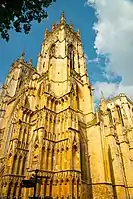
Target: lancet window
x,y
52,50
83,160
71,55
120,115
10,188
19,83
110,116
14,164
77,97
23,166
19,165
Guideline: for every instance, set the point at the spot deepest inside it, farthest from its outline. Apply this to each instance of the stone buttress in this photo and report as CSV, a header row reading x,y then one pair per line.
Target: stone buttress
x,y
47,122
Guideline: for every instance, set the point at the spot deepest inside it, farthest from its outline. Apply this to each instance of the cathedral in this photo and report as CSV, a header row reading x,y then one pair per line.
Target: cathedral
x,y
48,127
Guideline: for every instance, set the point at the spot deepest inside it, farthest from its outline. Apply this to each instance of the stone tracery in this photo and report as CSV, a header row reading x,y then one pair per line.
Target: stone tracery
x,y
53,127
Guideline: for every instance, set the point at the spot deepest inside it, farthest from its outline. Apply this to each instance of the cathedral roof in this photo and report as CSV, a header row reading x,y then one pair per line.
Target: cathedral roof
x,y
118,97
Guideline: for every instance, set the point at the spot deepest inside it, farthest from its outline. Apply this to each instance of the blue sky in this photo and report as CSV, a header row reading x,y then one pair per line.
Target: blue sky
x,y
110,34
82,17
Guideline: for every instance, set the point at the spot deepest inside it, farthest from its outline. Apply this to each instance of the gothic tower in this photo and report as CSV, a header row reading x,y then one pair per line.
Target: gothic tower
x,y
48,123
44,119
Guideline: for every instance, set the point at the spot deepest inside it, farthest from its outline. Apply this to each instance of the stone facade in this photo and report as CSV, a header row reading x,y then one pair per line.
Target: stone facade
x,y
47,122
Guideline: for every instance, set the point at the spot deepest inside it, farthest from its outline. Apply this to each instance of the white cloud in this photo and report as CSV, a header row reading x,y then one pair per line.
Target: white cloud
x,y
95,60
86,57
114,37
111,89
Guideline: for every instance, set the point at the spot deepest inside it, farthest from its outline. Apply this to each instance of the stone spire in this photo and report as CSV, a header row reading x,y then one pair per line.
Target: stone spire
x,y
63,20
71,26
22,56
102,102
30,61
53,27
102,95
78,33
46,33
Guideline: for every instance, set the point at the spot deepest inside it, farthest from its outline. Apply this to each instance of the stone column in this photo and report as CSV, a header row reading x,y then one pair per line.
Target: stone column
x,y
60,158
17,191
48,187
38,186
63,159
25,193
69,118
75,188
21,165
63,125
57,160
50,158
12,191
54,188
70,188
48,123
42,191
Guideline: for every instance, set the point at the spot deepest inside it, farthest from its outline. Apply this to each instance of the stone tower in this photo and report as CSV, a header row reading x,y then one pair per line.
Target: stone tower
x,y
47,123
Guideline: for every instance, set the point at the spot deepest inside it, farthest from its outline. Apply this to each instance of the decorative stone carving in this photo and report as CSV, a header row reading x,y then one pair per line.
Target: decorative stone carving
x,y
56,130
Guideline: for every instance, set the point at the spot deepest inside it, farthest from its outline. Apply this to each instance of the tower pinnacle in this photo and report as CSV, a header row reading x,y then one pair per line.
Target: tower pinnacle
x,y
71,26
30,61
102,95
22,56
78,32
102,102
46,33
63,20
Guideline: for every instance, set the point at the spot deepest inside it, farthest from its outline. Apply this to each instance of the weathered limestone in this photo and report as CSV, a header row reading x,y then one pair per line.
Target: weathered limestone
x,y
47,122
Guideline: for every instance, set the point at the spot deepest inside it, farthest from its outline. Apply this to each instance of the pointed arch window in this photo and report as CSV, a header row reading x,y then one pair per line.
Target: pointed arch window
x,y
14,164
19,165
48,157
52,50
27,104
83,159
77,96
110,116
74,148
71,55
10,188
23,166
19,83
120,114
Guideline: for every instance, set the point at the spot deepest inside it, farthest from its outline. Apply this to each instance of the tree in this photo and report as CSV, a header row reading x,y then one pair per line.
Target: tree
x,y
18,15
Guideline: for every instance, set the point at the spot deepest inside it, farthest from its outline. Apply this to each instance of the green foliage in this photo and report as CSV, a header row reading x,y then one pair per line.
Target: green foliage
x,y
18,15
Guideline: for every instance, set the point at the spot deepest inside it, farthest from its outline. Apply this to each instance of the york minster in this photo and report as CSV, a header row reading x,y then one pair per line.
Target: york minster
x,y
48,124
